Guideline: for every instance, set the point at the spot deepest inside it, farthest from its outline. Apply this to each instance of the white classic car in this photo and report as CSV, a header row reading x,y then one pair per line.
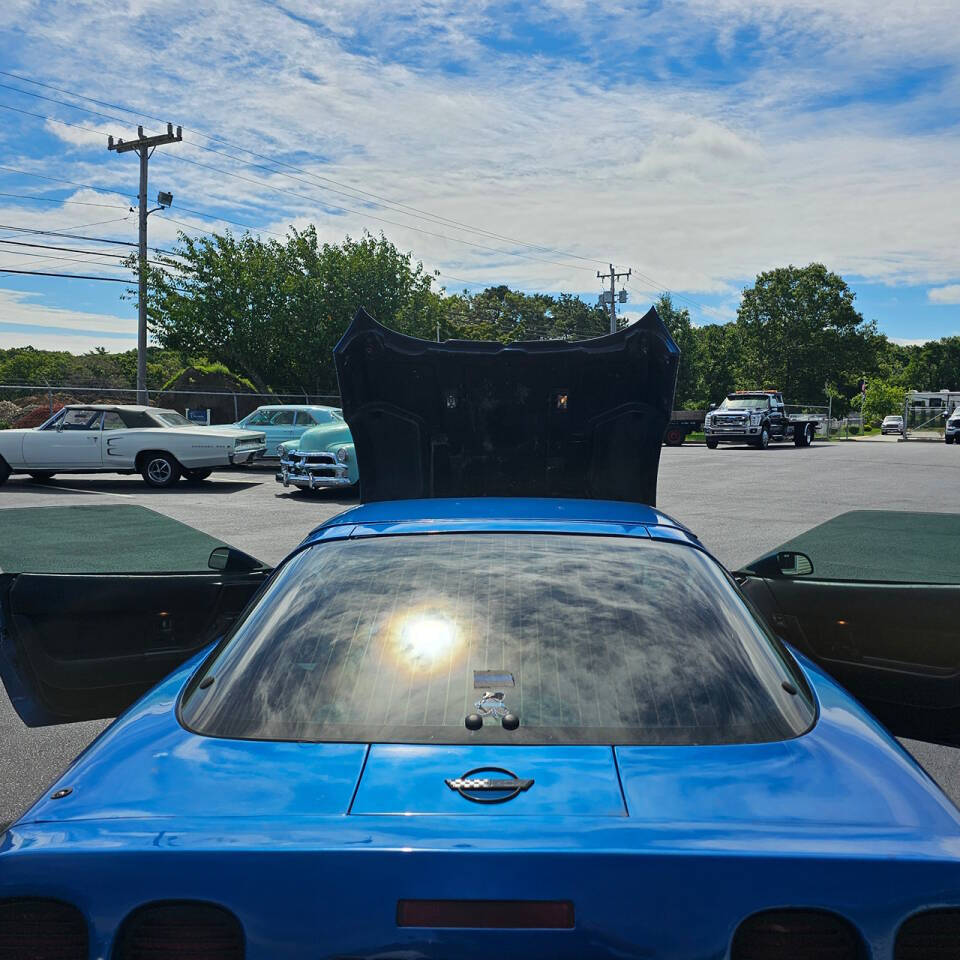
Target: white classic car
x,y
160,445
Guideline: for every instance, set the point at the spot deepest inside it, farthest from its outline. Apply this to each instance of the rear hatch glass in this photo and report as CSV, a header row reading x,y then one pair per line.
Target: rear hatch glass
x,y
584,639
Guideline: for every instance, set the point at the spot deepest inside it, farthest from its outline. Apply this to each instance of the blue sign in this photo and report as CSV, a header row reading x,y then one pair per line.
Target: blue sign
x,y
199,416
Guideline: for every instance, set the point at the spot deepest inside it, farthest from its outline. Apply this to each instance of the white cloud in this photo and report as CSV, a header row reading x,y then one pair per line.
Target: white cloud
x,y
948,294
94,135
73,343
693,184
910,341
72,328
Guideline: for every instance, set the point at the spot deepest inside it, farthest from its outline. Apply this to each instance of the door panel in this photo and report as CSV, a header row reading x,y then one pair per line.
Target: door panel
x,y
76,442
86,647
894,646
65,449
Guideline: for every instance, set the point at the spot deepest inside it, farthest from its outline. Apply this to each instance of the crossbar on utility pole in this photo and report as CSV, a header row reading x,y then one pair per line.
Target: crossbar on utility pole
x,y
144,147
614,277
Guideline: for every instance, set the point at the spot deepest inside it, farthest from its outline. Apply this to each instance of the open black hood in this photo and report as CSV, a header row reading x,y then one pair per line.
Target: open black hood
x,y
544,418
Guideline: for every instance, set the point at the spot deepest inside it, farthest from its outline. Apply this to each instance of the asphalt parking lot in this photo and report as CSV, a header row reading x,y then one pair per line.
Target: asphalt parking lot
x,y
740,502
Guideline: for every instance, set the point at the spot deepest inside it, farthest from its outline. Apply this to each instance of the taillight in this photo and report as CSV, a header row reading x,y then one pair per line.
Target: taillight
x,y
487,914
42,930
933,935
180,930
796,935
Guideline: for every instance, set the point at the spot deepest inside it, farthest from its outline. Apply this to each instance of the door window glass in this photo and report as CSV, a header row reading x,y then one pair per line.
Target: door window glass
x,y
310,418
259,418
282,418
112,421
53,422
81,420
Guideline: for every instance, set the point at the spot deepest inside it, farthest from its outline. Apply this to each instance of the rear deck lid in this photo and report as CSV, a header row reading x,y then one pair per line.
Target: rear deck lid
x,y
408,779
527,419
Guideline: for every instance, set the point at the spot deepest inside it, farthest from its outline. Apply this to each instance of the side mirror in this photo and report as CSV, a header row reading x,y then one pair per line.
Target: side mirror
x,y
784,564
231,560
711,406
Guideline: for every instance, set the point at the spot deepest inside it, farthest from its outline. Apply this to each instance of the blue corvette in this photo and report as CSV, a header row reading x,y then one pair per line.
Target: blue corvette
x,y
505,707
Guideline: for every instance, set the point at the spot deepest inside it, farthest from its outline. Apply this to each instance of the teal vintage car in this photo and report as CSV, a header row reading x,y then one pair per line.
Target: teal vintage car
x,y
322,457
287,422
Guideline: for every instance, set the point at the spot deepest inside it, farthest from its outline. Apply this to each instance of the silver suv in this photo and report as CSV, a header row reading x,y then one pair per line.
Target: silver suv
x,y
952,429
892,424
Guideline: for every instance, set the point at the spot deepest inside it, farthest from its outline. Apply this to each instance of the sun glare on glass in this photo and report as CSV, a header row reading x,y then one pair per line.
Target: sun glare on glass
x,y
427,639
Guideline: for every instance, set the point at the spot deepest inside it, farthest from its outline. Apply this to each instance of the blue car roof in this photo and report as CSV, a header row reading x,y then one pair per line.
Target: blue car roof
x,y
393,516
503,508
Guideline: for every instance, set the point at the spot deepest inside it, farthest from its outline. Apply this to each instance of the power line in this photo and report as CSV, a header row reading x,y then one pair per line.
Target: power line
x,y
261,183
79,203
74,226
40,116
210,216
40,260
356,192
72,183
268,186
470,283
359,213
47,246
70,276
80,236
382,201
30,253
74,106
70,236
80,96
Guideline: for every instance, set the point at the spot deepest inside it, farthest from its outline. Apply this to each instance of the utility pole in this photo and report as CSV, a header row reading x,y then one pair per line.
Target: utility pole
x,y
144,147
614,277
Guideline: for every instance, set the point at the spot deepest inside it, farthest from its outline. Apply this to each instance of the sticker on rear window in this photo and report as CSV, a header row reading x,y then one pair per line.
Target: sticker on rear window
x,y
491,704
487,679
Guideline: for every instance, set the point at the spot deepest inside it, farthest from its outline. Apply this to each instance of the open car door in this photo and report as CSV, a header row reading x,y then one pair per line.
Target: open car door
x,y
99,603
873,597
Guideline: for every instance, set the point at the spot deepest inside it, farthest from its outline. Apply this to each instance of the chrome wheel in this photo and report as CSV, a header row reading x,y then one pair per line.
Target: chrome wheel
x,y
159,472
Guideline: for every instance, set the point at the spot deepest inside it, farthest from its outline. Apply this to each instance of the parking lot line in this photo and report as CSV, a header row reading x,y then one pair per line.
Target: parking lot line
x,y
100,493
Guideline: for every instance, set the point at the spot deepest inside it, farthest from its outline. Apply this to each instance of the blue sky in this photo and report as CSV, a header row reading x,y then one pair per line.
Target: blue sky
x,y
697,142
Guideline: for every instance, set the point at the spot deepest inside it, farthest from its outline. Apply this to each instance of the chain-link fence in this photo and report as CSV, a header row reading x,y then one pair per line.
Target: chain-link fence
x,y
28,405
925,415
827,426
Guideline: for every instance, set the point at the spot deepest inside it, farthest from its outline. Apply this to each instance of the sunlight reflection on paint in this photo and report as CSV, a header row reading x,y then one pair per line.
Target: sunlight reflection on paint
x,y
427,640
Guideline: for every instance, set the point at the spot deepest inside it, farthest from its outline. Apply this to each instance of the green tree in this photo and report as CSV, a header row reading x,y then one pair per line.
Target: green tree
x,y
570,317
716,367
797,329
882,399
685,337
499,313
934,365
272,311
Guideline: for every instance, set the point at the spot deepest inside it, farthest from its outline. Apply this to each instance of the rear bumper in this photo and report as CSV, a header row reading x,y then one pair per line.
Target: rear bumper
x,y
681,918
247,455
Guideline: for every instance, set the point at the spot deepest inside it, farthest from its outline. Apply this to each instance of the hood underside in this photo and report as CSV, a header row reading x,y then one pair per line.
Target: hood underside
x,y
527,419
